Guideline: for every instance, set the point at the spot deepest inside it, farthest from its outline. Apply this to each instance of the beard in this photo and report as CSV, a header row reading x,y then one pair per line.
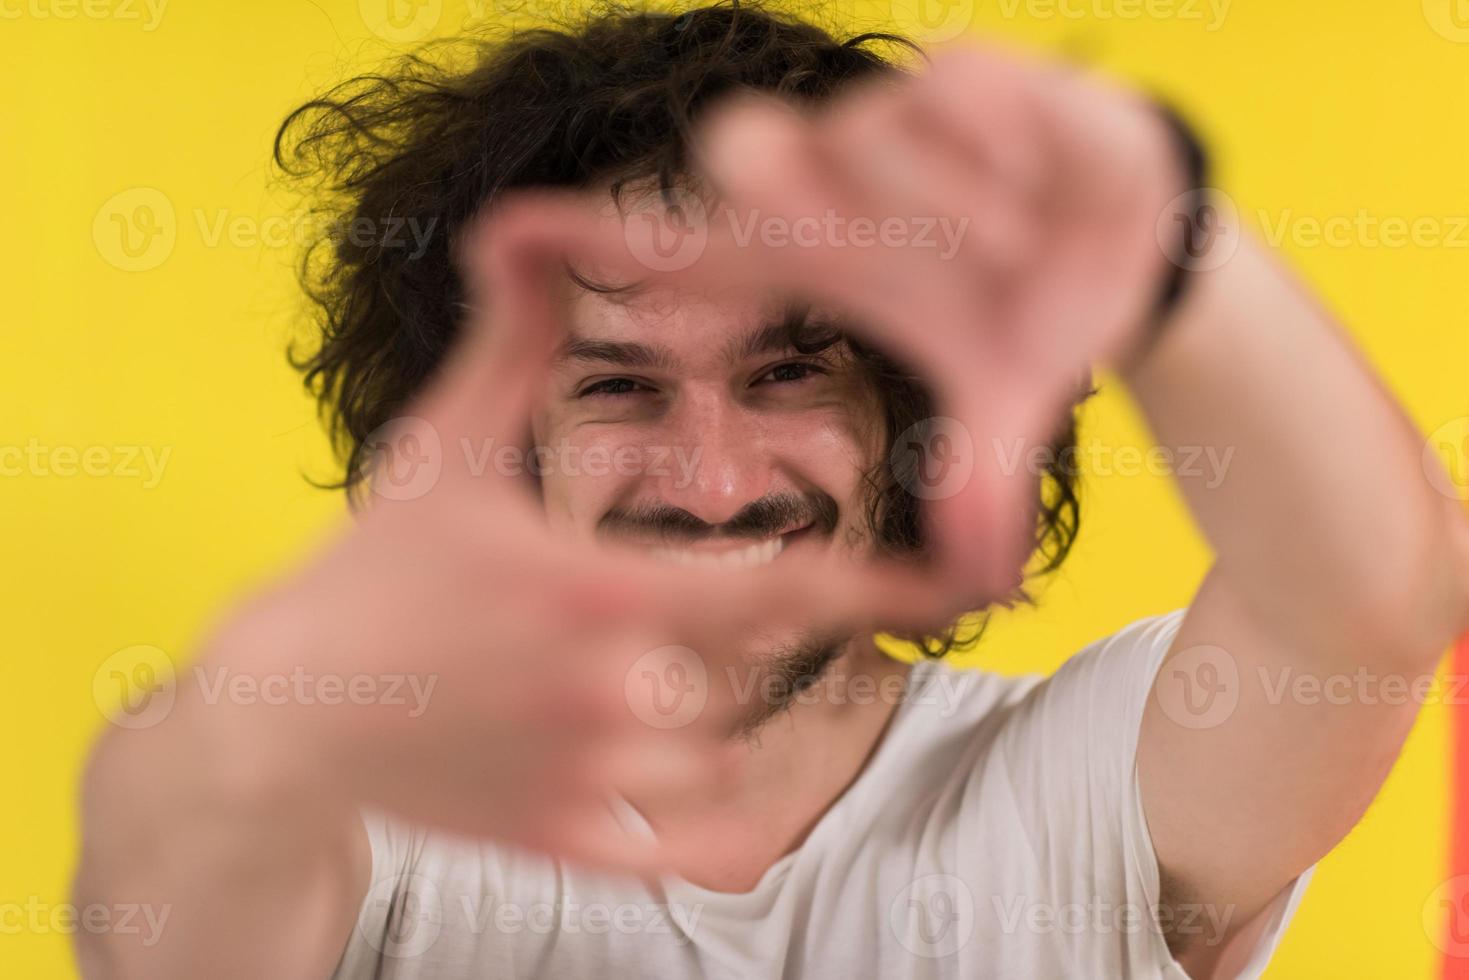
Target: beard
x,y
787,673
781,671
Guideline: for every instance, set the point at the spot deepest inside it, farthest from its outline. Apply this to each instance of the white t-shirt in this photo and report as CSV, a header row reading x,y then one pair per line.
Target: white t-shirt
x,y
997,832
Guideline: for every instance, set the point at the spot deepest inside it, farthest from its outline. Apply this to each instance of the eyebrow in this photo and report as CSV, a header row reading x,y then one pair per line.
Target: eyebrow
x,y
767,339
621,353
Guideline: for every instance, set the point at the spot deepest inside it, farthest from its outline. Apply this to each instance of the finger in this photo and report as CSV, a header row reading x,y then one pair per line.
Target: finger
x,y
901,296
927,320
760,155
985,100
904,164
837,596
981,522
684,661
514,263
653,766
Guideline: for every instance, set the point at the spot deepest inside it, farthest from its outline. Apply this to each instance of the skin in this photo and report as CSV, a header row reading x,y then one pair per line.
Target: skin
x,y
1323,565
668,371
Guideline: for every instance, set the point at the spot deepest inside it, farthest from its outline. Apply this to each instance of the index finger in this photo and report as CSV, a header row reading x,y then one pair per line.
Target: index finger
x,y
513,263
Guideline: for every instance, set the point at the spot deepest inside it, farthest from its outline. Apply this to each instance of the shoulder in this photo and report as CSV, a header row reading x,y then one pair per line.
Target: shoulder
x,y
1109,680
1105,683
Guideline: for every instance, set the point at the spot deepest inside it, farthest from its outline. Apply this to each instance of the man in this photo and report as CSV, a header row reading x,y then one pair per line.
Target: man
x,y
660,740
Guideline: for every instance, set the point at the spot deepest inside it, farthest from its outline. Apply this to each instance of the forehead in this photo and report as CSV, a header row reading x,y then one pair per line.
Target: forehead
x,y
662,328
680,320
670,325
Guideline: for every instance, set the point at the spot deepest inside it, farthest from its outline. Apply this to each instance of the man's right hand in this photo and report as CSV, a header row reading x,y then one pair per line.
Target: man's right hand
x,y
541,659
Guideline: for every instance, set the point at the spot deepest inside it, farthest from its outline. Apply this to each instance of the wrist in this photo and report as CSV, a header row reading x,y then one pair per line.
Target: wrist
x,y
1218,327
268,752
191,792
1184,228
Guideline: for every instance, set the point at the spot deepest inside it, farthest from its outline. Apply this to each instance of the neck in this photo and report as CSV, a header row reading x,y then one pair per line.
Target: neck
x,y
792,768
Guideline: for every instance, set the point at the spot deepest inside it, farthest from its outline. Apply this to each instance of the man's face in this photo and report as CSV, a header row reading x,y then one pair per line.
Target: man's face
x,y
689,426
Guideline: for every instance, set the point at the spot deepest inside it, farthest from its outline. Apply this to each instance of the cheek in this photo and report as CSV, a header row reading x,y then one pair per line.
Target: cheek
x,y
565,495
832,448
588,469
829,444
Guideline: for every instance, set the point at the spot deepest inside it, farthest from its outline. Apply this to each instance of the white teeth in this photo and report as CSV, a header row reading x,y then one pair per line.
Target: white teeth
x,y
750,556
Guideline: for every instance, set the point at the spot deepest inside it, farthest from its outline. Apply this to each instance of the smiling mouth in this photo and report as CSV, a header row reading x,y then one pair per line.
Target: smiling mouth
x,y
729,555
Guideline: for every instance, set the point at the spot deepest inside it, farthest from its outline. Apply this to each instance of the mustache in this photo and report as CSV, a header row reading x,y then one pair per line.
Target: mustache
x,y
758,519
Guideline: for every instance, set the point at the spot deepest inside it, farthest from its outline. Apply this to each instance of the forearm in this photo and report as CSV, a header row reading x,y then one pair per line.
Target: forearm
x,y
243,876
1323,524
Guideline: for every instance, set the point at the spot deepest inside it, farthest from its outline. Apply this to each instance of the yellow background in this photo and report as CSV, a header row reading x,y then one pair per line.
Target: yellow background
x,y
1316,109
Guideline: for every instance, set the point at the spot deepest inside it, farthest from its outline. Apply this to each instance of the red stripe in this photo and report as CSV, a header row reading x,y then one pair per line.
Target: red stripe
x,y
1456,922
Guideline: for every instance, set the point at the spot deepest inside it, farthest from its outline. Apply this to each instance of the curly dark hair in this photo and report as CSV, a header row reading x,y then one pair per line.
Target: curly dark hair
x,y
610,101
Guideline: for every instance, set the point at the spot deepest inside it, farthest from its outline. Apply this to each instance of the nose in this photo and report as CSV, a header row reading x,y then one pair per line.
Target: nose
x,y
719,458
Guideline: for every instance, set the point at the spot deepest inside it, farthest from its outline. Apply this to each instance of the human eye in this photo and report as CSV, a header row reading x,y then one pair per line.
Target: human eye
x,y
791,372
611,388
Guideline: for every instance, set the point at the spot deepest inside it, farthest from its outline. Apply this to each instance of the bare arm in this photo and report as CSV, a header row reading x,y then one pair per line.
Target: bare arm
x,y
1340,578
1334,553
246,870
